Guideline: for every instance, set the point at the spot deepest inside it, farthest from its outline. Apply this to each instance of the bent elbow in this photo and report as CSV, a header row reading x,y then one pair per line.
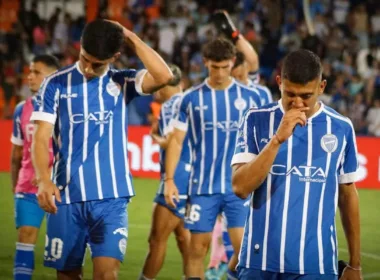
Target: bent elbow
x,y
239,191
166,78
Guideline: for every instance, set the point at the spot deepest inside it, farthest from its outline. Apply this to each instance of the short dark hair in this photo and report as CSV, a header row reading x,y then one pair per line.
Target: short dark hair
x,y
219,49
177,75
240,57
301,66
102,39
49,60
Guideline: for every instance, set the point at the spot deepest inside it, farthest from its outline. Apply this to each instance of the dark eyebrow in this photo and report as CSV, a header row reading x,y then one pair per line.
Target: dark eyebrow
x,y
298,94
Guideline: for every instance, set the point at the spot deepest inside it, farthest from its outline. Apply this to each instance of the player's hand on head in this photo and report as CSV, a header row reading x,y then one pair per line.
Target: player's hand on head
x,y
46,193
126,32
289,121
171,193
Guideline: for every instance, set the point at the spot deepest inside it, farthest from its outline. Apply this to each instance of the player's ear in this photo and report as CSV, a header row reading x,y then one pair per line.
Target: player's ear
x,y
233,61
278,80
116,56
205,61
322,86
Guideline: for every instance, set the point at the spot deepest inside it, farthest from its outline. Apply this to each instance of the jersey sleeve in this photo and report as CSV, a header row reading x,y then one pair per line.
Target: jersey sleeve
x,y
46,102
17,137
174,114
349,164
180,119
246,147
131,80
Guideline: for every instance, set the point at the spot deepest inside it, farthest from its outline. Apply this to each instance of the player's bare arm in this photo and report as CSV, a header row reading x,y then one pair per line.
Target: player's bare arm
x,y
249,52
348,203
16,158
40,157
247,177
225,24
161,141
173,152
158,74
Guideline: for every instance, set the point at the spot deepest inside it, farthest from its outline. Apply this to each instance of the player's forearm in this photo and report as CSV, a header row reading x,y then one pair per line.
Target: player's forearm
x,y
248,177
152,61
40,158
249,52
15,169
173,152
349,212
161,141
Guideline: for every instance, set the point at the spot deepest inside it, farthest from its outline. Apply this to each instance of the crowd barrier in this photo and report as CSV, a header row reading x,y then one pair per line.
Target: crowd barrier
x,y
144,155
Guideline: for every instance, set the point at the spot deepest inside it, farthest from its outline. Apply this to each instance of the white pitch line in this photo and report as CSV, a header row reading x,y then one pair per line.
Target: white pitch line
x,y
364,254
372,275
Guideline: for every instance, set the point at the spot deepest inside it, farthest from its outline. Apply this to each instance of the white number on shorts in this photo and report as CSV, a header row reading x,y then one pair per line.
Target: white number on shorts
x,y
194,214
56,247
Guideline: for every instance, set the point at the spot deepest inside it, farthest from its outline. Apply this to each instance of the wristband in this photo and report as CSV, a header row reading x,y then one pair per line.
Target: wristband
x,y
354,268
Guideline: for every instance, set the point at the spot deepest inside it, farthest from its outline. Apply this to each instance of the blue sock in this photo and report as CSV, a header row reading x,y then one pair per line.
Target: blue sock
x,y
232,275
24,261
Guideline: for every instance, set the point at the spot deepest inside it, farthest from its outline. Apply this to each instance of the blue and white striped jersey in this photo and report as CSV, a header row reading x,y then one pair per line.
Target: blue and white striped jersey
x,y
90,131
291,224
264,92
211,118
169,110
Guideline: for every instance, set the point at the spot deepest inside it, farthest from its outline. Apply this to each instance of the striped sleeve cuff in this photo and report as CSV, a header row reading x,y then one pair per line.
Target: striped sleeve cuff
x,y
179,125
17,141
139,80
348,178
168,129
242,158
43,116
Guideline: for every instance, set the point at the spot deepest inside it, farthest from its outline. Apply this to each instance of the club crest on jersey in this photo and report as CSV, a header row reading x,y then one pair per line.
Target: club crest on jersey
x,y
240,104
123,245
113,88
329,143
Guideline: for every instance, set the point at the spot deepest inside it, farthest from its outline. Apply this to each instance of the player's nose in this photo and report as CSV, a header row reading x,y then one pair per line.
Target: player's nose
x,y
297,103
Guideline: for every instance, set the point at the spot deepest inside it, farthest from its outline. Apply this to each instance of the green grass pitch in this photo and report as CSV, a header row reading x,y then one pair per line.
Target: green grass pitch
x,y
140,210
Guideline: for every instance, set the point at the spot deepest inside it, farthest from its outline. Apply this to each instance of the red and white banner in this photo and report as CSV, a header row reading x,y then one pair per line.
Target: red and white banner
x,y
144,155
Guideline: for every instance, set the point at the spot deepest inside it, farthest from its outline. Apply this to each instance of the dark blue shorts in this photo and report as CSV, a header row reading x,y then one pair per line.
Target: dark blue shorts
x,y
100,224
203,210
179,211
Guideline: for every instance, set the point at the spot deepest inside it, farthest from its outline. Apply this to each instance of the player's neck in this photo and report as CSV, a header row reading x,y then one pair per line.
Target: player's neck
x,y
169,92
220,86
314,110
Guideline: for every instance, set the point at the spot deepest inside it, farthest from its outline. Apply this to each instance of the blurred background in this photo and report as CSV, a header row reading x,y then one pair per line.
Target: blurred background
x,y
344,33
346,37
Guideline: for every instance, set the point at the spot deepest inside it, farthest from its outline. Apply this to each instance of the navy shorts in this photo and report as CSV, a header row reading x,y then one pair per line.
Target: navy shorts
x,y
100,224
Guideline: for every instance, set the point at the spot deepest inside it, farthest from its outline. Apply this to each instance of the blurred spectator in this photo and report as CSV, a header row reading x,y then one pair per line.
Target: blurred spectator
x,y
61,36
347,38
373,119
356,114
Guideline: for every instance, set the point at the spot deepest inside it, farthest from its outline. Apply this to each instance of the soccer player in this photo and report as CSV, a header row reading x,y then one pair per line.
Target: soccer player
x,y
84,107
246,68
27,212
210,114
240,72
299,157
166,219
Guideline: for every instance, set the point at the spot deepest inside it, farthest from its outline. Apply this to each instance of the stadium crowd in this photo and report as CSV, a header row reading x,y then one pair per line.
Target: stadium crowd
x,y
347,38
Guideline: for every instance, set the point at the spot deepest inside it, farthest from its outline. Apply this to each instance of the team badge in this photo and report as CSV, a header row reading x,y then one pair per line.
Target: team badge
x,y
123,245
329,143
240,104
113,89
